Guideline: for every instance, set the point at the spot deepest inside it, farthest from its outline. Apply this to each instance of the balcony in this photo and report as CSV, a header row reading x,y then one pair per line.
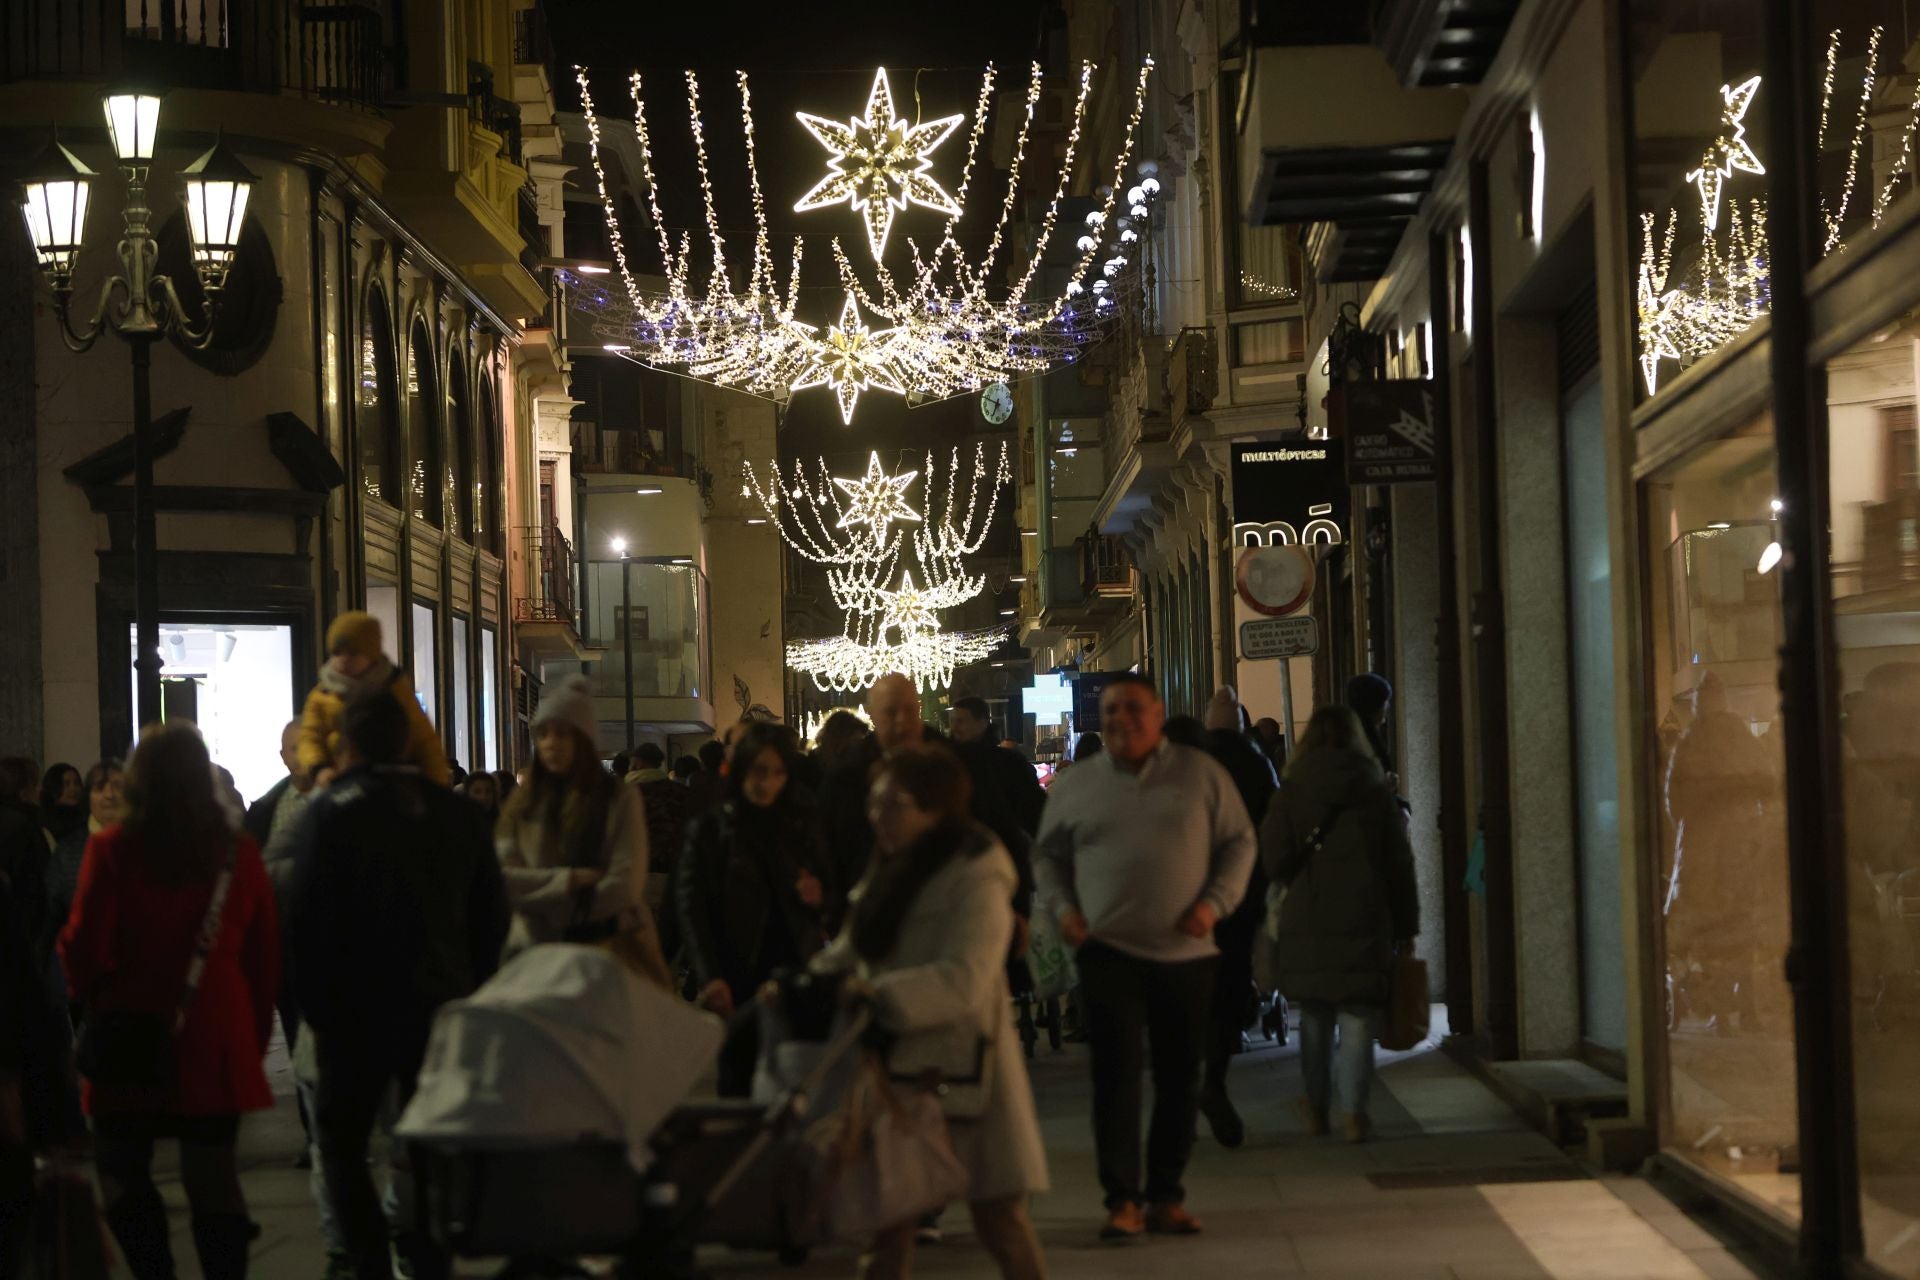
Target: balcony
x,y
1086,586
1331,132
648,615
544,612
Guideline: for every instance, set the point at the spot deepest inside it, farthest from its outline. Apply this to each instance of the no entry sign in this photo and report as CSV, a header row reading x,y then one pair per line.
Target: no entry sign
x,y
1275,581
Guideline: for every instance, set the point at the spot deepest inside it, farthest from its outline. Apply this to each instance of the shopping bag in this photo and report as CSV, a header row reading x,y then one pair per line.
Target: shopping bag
x,y
885,1158
1409,1008
1049,959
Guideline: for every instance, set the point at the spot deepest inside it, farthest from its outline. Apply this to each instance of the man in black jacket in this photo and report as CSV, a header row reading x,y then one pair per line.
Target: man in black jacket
x,y
396,907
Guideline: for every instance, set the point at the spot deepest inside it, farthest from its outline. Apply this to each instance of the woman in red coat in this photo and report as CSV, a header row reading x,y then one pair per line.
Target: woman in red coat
x,y
145,886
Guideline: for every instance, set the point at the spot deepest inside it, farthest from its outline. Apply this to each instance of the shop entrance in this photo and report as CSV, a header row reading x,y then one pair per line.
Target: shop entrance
x,y
235,681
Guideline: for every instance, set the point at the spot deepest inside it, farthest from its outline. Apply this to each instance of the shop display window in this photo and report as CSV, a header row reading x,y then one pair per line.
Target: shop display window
x,y
1721,881
462,695
426,669
1874,464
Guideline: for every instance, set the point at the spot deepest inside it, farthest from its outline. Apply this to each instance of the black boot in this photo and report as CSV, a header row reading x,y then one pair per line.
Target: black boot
x,y
139,1223
222,1240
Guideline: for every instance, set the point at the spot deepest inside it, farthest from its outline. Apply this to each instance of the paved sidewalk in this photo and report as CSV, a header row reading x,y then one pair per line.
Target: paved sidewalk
x,y
1454,1186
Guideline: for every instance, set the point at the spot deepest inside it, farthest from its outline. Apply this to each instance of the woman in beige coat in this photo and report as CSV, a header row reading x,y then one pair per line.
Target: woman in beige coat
x,y
927,935
573,843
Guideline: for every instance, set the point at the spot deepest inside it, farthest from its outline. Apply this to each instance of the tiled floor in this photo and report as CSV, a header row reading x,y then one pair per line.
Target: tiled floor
x,y
1284,1205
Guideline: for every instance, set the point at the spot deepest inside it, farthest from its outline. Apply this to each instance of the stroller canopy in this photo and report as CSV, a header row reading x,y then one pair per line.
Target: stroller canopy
x,y
564,1044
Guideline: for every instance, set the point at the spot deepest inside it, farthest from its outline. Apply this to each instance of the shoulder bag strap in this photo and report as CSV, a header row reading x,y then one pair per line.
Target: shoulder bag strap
x,y
208,938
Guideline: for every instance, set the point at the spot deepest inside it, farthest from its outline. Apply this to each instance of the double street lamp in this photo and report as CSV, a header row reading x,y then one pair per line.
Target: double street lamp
x,y
139,304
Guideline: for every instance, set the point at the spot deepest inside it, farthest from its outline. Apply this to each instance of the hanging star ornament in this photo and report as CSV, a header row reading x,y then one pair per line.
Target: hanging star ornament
x,y
850,359
1729,151
876,499
909,610
878,163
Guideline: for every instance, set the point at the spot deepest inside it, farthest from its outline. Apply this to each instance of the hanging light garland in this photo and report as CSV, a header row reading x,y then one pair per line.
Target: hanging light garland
x,y
1724,285
945,328
858,529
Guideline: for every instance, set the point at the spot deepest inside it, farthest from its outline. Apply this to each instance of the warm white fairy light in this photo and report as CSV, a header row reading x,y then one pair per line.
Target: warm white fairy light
x,y
1687,310
1253,282
948,329
891,613
877,164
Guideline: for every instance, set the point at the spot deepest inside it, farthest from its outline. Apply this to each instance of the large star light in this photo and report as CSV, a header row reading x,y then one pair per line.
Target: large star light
x,y
850,359
876,499
877,163
1729,151
909,610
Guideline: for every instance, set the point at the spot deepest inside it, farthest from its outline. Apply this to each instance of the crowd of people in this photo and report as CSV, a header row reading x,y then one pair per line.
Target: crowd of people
x,y
154,930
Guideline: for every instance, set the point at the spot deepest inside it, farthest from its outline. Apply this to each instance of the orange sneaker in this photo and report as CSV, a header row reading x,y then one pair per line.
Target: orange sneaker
x,y
1124,1222
1172,1220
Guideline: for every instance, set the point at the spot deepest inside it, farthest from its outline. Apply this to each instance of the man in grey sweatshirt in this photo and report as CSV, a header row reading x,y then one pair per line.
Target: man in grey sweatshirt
x,y
1141,850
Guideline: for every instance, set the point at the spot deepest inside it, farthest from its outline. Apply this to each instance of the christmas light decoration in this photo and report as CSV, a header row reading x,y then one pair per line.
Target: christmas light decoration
x,y
889,159
947,328
1689,306
891,616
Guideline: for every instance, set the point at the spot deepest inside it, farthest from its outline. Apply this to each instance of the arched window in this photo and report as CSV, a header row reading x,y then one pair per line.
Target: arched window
x,y
423,427
377,407
459,479
487,496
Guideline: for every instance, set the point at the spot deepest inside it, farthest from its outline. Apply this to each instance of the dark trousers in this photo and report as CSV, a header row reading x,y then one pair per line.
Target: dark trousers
x,y
1129,1000
123,1154
1232,997
350,1089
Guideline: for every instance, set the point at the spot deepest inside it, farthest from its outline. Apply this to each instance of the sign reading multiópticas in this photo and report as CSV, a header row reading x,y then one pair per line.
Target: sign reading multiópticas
x,y
1290,493
1390,431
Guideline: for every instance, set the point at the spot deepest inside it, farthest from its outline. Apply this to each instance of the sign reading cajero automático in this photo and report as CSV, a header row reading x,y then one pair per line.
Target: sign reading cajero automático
x,y
1390,431
1289,493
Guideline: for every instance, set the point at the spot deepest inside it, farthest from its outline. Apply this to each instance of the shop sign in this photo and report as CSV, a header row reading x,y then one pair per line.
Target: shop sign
x,y
1279,638
1290,493
1390,431
1086,700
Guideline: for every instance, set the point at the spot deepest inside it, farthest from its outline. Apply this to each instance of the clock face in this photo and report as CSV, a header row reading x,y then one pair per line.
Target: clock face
x,y
996,403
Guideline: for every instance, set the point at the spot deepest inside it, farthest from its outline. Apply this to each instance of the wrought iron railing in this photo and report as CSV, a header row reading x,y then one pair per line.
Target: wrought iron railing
x,y
491,111
549,578
331,50
530,40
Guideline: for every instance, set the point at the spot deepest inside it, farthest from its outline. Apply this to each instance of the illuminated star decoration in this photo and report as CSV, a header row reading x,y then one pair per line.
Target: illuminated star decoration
x,y
1729,151
851,359
876,499
909,610
878,163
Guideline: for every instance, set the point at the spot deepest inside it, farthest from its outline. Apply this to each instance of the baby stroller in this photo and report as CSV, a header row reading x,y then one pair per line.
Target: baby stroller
x,y
549,1125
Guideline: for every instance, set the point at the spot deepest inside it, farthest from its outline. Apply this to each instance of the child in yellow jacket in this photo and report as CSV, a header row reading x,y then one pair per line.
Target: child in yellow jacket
x,y
356,667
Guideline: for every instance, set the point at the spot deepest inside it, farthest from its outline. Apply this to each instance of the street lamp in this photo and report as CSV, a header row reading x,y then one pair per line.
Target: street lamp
x,y
626,626
138,304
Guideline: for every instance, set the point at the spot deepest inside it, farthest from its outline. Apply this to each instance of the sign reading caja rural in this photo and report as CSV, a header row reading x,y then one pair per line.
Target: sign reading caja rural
x,y
1390,431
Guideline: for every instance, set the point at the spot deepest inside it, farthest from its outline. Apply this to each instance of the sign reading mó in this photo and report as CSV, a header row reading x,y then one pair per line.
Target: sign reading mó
x,y
1291,494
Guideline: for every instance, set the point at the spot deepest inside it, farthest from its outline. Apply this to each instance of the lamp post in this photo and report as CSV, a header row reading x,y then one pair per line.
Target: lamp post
x,y
138,304
626,627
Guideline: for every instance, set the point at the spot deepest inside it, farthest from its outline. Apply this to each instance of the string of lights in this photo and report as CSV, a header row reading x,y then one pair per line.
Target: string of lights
x,y
1687,307
947,332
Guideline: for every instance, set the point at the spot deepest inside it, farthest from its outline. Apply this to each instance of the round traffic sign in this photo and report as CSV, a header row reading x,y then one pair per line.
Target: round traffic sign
x,y
1276,581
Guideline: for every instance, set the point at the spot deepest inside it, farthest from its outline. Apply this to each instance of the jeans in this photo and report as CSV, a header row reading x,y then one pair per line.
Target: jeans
x,y
1005,1231
1169,1005
1353,1072
348,1100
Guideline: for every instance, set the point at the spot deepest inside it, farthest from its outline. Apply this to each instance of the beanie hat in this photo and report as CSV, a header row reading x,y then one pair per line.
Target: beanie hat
x,y
1369,693
1223,712
356,633
570,702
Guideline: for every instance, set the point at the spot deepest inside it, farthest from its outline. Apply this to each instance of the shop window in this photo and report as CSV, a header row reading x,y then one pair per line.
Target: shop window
x,y
1875,549
486,480
423,428
426,668
376,404
462,695
1728,1105
489,699
458,490
235,681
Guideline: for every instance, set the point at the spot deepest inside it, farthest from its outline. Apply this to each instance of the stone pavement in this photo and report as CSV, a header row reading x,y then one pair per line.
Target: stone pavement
x,y
1453,1186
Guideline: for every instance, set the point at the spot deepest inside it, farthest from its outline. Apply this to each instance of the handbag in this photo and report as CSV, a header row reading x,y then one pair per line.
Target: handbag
x,y
1409,1007
885,1158
128,1049
1049,960
925,1061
